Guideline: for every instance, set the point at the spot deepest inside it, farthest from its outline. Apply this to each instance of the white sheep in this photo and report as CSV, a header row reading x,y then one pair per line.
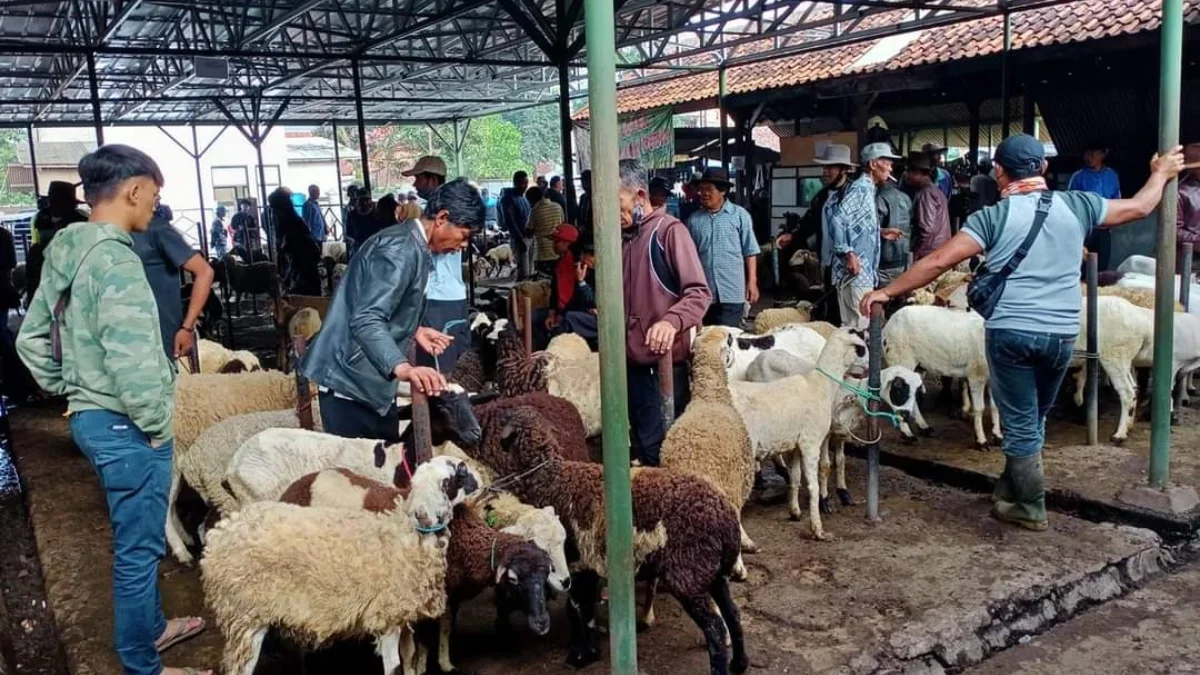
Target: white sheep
x,y
499,256
798,339
1125,336
282,566
215,358
792,417
203,464
571,347
335,250
943,342
576,377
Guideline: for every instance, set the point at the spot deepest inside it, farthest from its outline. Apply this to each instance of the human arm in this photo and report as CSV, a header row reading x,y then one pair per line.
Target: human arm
x,y
960,247
1162,170
751,252
373,300
126,326
202,272
33,344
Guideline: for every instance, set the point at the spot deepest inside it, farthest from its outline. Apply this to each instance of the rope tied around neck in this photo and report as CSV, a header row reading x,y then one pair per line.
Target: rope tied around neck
x,y
865,396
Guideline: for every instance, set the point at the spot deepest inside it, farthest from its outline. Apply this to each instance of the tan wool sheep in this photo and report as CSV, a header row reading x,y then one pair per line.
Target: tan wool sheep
x,y
778,316
215,358
205,399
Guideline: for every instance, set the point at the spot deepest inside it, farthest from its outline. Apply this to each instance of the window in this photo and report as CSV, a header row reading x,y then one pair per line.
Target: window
x,y
230,183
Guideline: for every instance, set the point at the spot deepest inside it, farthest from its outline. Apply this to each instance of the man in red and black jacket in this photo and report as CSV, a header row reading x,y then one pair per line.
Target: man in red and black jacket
x,y
666,295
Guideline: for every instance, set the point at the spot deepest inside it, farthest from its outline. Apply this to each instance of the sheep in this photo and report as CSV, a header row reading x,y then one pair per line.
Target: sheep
x,y
778,316
203,400
559,412
334,250
256,278
899,388
796,338
577,381
203,464
686,534
570,347
268,462
339,271
709,440
1138,295
283,566
775,364
542,526
792,417
499,256
944,342
215,358
477,366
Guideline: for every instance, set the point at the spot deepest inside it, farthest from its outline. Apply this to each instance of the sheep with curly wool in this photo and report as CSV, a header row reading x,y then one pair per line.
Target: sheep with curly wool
x,y
559,413
775,317
203,465
792,418
216,358
686,534
943,342
205,399
282,566
798,339
709,440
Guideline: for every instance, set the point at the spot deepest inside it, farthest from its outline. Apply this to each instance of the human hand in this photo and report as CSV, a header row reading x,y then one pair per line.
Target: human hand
x,y
581,270
783,240
752,293
421,378
432,341
891,233
873,298
553,320
184,341
853,264
1168,165
660,337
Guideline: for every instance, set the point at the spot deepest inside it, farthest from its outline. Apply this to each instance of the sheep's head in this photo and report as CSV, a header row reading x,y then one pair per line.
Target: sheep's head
x,y
522,572
451,418
542,527
805,308
437,487
716,337
526,441
849,348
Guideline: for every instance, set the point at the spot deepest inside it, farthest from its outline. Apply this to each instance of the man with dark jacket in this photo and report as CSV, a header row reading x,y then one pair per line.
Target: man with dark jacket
x,y
514,215
666,295
62,209
362,350
895,218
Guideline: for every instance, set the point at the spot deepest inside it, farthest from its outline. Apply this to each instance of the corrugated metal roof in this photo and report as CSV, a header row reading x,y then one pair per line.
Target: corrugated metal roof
x,y
315,149
55,153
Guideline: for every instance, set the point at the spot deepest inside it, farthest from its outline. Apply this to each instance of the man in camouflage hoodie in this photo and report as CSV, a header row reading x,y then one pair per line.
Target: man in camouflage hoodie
x,y
92,334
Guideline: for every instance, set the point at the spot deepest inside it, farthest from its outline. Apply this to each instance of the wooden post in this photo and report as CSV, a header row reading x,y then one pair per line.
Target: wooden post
x,y
666,389
194,359
527,324
303,393
422,434
875,354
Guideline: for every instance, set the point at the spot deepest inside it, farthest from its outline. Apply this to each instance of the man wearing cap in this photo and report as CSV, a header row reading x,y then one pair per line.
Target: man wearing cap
x,y
446,305
724,237
61,210
852,229
1032,330
931,211
942,177
895,229
572,289
1187,219
1098,179
835,165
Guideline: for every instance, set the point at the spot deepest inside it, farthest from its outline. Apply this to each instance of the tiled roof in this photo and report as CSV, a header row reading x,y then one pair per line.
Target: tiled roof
x,y
1069,22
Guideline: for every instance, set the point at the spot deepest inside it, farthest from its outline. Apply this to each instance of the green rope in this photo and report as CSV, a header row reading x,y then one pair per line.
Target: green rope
x,y
492,559
865,396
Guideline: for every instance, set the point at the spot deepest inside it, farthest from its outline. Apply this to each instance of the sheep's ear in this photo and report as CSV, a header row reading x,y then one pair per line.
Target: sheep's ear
x,y
380,455
501,571
508,432
484,397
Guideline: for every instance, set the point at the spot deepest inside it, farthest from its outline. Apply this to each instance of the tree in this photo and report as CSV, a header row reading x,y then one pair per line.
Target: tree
x,y
9,140
541,138
493,149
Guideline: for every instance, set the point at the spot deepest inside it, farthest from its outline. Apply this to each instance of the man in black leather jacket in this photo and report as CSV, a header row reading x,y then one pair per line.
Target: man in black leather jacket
x,y
363,348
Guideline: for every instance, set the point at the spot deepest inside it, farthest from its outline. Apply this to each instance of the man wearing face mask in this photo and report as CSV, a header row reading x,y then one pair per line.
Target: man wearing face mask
x,y
446,297
362,350
666,295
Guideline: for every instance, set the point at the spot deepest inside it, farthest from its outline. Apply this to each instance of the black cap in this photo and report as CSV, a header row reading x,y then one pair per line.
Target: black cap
x,y
661,184
1021,155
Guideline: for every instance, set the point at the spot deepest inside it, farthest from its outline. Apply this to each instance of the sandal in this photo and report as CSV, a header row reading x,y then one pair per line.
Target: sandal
x,y
186,628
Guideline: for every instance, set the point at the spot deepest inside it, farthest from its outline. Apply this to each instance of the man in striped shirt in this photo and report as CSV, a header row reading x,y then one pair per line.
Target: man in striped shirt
x,y
724,237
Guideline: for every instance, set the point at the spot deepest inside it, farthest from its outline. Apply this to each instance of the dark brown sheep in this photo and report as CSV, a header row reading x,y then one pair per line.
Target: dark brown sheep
x,y
516,372
559,412
686,535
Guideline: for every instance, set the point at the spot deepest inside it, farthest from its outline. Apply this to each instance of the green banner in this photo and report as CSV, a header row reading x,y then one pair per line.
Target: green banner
x,y
648,136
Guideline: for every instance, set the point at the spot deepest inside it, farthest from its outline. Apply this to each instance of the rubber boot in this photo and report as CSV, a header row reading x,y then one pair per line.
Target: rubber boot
x,y
1004,491
1028,508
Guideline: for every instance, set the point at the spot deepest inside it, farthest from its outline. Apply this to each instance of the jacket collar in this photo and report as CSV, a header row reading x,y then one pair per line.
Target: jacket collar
x,y
631,233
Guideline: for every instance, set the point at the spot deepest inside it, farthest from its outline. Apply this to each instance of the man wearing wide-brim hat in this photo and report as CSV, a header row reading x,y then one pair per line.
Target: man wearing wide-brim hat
x,y
852,224
724,236
61,210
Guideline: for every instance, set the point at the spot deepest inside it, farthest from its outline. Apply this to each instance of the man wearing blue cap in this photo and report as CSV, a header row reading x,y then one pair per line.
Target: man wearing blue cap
x,y
1034,317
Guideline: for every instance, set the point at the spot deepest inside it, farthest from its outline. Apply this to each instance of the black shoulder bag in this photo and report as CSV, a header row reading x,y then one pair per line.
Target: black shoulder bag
x,y
986,288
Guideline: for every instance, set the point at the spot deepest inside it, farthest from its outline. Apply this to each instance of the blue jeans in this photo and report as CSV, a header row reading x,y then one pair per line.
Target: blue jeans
x,y
136,480
1026,371
724,314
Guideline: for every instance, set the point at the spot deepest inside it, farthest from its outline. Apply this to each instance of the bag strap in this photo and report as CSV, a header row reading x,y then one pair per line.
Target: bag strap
x,y
60,308
1039,219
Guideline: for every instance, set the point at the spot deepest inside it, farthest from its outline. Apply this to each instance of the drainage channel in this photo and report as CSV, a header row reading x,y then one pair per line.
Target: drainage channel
x,y
29,642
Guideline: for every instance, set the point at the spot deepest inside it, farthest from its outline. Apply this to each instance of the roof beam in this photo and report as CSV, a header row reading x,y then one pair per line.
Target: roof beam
x,y
270,28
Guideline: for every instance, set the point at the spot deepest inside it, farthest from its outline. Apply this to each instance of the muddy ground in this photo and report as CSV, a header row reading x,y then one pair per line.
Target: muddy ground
x,y
877,595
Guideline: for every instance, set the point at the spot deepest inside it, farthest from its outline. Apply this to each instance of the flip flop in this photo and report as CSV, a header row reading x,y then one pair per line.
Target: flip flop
x,y
197,627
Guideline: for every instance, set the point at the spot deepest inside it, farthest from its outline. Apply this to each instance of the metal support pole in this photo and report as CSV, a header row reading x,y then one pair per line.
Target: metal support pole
x,y
721,113
1005,112
362,127
337,159
775,264
1092,393
875,356
666,389
195,153
564,123
458,144
973,109
1170,74
37,187
264,221
1185,276
94,86
600,30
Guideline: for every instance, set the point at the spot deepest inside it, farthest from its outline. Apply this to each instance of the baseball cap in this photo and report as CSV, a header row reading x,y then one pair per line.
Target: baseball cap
x,y
427,164
1021,154
566,232
876,151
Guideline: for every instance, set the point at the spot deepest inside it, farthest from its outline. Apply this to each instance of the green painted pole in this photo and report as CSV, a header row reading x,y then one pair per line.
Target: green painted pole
x,y
1170,72
458,146
600,30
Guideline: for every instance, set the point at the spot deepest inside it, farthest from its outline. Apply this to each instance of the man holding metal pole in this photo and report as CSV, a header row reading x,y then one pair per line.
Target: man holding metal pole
x,y
1029,295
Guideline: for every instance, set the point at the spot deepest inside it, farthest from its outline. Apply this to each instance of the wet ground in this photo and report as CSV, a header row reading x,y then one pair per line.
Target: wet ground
x,y
914,588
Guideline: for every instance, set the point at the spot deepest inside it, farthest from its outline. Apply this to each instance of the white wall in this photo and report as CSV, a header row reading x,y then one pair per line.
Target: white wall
x,y
300,175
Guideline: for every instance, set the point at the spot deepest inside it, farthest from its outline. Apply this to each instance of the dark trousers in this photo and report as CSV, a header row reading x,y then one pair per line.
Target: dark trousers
x,y
449,317
646,430
351,419
724,314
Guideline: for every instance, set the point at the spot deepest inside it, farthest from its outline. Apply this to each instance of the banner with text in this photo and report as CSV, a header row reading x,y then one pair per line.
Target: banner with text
x,y
648,136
